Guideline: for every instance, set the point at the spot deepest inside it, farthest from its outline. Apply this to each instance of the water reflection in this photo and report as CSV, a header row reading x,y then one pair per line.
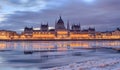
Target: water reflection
x,y
49,54
50,45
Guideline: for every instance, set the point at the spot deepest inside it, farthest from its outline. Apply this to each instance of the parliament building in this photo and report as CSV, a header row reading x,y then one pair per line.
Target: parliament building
x,y
60,32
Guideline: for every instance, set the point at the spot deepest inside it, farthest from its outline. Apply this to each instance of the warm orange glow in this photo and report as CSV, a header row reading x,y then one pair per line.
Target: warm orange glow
x,y
2,46
84,45
61,34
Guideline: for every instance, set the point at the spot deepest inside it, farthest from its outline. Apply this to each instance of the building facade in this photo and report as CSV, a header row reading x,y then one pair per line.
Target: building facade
x,y
60,32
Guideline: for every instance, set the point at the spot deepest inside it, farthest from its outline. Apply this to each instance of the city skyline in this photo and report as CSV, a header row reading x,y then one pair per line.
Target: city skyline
x,y
60,32
16,14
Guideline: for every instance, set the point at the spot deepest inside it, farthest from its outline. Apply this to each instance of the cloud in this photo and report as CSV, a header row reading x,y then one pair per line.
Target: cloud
x,y
30,5
2,17
103,14
0,7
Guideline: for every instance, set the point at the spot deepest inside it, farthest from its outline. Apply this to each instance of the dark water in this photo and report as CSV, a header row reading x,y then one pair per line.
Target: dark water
x,y
37,55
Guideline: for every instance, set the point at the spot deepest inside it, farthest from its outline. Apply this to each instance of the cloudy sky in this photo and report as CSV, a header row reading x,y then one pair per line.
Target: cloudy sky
x,y
101,14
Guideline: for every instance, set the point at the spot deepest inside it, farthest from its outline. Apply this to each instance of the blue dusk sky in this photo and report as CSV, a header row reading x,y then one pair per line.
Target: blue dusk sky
x,y
102,14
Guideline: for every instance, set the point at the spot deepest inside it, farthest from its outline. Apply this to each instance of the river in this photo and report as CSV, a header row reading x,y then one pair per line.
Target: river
x,y
51,55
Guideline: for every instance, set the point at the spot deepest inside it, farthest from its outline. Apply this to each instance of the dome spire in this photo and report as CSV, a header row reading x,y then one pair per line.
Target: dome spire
x,y
60,16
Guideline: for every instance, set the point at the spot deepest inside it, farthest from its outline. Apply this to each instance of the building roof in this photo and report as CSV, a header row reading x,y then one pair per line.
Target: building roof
x,y
44,25
60,21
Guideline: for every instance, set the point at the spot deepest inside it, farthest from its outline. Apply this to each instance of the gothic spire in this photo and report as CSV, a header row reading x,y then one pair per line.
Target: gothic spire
x,y
68,26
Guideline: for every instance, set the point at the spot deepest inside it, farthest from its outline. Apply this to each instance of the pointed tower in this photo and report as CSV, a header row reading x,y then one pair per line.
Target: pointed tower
x,y
68,25
55,24
44,27
80,26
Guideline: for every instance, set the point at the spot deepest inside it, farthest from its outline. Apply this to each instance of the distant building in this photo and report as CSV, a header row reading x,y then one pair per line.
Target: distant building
x,y
76,27
59,33
44,27
28,31
6,35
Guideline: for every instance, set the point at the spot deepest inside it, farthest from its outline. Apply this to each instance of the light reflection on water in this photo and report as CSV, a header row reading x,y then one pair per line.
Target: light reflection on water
x,y
47,45
12,53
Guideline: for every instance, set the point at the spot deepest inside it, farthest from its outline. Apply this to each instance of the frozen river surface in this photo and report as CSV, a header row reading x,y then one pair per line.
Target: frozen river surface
x,y
66,55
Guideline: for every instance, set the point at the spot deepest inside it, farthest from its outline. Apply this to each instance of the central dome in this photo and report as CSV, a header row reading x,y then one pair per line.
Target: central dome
x,y
60,24
60,21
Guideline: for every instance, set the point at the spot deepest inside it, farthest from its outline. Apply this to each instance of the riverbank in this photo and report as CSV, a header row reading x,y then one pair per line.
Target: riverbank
x,y
59,39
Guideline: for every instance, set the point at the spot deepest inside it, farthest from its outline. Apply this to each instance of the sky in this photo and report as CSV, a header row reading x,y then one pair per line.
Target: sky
x,y
104,15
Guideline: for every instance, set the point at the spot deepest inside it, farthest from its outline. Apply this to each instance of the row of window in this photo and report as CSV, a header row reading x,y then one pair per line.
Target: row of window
x,y
42,33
